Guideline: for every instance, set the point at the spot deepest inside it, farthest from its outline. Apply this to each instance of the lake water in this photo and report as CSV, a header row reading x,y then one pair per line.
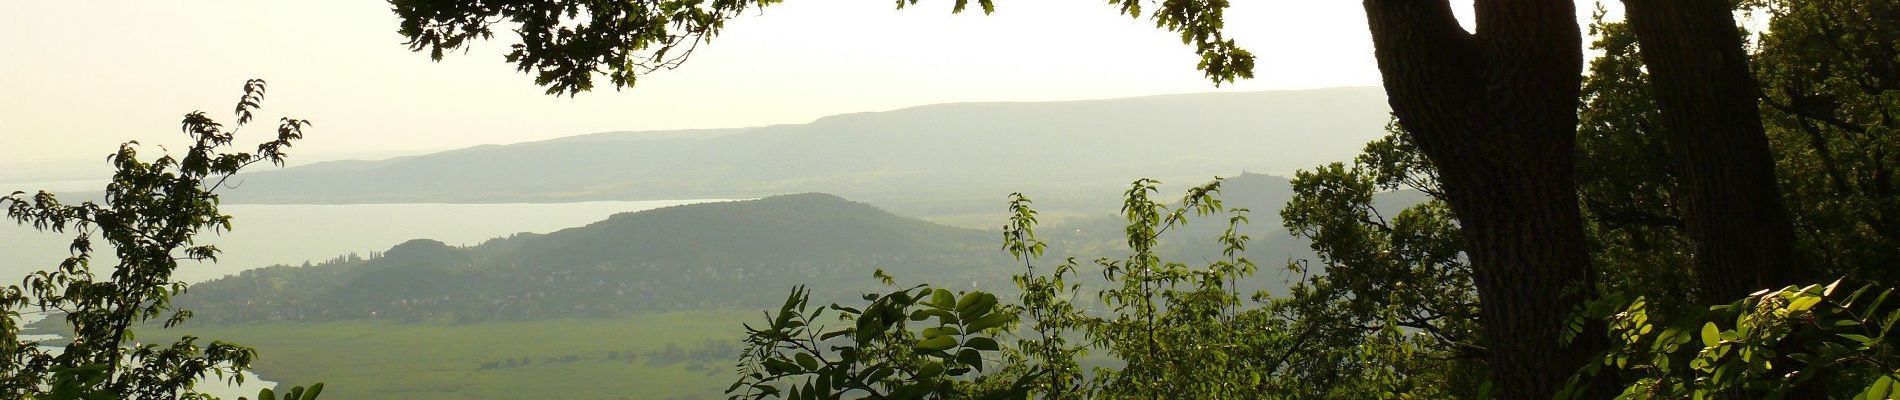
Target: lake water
x,y
264,235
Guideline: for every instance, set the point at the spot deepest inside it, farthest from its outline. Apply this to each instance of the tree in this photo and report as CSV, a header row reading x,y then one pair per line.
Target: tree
x,y
150,216
1495,112
1731,206
1390,306
1829,74
565,43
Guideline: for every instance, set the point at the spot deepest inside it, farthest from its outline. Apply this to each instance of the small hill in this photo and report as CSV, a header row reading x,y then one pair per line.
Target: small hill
x,y
700,256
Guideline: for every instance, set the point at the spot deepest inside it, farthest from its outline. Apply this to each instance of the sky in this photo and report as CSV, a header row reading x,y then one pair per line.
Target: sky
x,y
81,77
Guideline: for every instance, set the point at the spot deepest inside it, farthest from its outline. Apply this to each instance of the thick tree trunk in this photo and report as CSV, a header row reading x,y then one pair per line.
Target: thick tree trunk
x,y
1731,204
1496,113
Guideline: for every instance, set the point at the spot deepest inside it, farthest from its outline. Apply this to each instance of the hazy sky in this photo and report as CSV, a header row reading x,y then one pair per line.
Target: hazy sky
x,y
80,77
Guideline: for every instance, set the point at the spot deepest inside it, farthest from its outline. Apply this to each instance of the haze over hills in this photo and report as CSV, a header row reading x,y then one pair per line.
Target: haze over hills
x,y
707,256
691,257
935,160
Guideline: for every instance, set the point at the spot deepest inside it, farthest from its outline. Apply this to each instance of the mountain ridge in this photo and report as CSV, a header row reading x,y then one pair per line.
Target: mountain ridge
x,y
930,160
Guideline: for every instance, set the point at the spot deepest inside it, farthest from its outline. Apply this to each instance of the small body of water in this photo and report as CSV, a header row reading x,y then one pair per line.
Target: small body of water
x,y
71,185
212,385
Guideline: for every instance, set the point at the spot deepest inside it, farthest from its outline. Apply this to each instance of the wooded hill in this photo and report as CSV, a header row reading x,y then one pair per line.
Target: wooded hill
x,y
741,254
700,256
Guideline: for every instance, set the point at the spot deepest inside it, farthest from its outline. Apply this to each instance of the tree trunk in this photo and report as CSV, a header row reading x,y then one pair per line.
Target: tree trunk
x,y
1731,205
1496,112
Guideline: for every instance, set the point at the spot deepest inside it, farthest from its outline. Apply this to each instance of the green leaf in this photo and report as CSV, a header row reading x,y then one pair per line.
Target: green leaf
x,y
806,361
833,334
878,374
1863,339
1879,389
931,369
942,299
924,314
777,366
989,321
1803,303
1711,335
971,358
982,343
941,331
937,343
975,304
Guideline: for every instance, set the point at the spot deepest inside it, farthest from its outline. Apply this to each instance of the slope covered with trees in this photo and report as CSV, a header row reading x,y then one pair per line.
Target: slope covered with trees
x,y
695,257
701,256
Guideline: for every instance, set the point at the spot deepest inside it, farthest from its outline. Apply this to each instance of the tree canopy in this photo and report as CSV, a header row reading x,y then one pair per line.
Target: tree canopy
x,y
566,44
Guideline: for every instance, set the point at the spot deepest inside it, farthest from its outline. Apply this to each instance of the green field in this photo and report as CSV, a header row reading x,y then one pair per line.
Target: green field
x,y
567,358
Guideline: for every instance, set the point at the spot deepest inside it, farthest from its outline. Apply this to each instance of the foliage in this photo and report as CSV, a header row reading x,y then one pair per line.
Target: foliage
x,y
1171,330
1763,346
1048,302
1178,329
1820,64
1826,96
564,43
879,355
1625,178
150,216
1391,309
295,393
1830,81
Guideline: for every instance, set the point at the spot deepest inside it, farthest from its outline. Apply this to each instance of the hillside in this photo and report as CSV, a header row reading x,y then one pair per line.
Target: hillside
x,y
701,256
935,160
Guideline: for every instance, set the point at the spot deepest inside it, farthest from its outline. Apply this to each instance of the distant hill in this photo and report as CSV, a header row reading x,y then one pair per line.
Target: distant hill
x,y
932,160
730,255
701,256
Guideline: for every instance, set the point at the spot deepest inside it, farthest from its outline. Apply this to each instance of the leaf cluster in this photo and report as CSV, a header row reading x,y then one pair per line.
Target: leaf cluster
x,y
915,343
564,44
150,216
1390,309
1767,345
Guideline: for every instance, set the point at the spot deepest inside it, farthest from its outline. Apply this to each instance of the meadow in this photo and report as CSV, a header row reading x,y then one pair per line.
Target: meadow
x,y
648,356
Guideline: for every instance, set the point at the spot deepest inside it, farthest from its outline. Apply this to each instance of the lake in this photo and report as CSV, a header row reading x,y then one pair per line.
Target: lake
x,y
264,235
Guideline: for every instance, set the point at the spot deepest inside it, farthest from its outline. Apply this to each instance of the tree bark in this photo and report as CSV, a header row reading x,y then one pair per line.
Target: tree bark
x,y
1731,206
1496,112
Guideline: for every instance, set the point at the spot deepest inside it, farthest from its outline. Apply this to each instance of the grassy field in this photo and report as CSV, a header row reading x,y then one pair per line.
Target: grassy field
x,y
565,358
